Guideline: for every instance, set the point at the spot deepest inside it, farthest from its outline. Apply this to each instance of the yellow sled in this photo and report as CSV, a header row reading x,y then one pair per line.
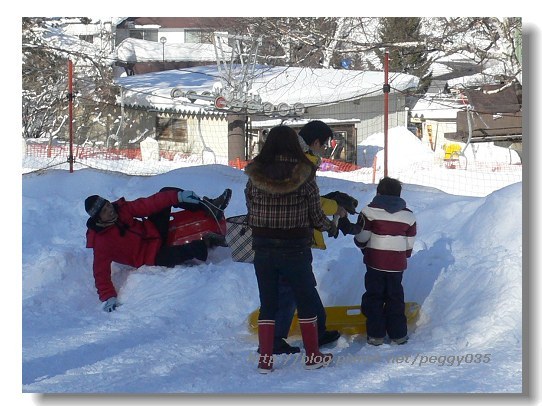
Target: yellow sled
x,y
347,319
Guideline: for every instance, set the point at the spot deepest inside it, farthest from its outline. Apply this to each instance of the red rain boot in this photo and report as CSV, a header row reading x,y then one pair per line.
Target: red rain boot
x,y
314,359
266,333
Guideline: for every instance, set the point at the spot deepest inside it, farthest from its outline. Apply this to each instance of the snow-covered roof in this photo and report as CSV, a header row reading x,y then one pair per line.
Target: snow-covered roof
x,y
320,86
138,50
273,84
437,108
63,42
455,65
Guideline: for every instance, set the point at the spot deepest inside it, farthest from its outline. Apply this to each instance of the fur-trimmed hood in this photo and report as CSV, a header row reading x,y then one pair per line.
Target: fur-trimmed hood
x,y
282,176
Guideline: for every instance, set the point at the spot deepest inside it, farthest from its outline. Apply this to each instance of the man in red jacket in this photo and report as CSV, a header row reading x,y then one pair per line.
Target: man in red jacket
x,y
135,233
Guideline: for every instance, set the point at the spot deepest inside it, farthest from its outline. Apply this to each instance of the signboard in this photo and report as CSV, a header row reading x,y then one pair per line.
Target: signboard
x,y
251,104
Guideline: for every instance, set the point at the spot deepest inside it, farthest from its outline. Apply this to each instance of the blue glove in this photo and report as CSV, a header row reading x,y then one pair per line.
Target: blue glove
x,y
110,304
187,196
349,228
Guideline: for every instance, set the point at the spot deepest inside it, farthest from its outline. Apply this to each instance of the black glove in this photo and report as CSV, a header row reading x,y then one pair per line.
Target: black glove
x,y
347,227
333,231
344,200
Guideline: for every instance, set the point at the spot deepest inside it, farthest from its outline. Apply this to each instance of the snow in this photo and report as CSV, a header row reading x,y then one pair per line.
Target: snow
x,y
138,50
404,148
274,84
402,144
184,330
439,108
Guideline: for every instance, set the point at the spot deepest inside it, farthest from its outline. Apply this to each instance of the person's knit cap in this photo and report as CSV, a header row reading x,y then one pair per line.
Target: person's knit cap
x,y
94,204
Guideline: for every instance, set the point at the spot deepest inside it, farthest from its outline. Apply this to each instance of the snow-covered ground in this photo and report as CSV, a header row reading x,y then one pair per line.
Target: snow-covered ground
x,y
184,330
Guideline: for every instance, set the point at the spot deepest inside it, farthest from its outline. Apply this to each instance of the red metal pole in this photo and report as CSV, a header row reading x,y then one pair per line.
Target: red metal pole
x,y
70,109
386,91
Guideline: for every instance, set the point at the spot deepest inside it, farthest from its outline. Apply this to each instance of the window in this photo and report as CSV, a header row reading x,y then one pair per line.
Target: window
x,y
171,129
336,145
148,35
198,36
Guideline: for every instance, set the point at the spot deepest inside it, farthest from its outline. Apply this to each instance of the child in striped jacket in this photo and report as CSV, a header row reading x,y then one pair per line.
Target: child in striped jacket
x,y
388,230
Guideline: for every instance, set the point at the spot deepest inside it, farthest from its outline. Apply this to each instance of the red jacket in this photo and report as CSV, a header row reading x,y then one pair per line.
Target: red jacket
x,y
133,240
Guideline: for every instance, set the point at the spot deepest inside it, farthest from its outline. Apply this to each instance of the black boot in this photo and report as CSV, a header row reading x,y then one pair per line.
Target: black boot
x,y
214,240
328,336
281,346
217,205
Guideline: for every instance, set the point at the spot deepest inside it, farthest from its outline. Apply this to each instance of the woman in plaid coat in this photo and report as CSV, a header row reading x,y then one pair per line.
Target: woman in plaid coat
x,y
283,202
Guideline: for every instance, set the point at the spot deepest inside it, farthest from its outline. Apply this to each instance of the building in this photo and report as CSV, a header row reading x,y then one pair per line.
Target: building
x,y
190,107
152,44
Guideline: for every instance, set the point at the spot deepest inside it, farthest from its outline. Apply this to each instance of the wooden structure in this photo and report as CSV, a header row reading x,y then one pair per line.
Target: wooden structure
x,y
495,116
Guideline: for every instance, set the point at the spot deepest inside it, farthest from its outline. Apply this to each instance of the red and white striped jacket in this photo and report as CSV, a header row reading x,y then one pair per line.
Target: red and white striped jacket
x,y
387,237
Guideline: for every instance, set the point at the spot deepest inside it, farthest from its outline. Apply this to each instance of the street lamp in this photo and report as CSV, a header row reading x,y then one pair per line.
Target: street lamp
x,y
163,40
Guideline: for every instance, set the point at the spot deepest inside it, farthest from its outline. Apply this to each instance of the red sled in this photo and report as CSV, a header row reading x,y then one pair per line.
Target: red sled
x,y
186,226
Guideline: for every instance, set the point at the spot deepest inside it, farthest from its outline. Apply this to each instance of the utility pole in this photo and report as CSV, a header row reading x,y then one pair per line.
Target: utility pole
x,y
163,40
70,112
386,89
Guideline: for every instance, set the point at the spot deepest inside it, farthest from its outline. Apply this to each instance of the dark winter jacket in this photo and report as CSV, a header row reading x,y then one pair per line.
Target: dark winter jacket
x,y
283,200
132,240
388,234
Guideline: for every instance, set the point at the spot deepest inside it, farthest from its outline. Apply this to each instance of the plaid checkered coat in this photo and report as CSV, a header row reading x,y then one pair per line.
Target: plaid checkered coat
x,y
283,199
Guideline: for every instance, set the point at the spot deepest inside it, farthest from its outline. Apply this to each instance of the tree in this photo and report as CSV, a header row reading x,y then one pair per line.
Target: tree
x,y
407,52
307,41
414,43
492,43
45,52
44,83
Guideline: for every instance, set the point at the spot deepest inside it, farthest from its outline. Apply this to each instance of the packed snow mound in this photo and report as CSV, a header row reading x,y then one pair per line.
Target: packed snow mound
x,y
489,152
184,330
479,294
404,149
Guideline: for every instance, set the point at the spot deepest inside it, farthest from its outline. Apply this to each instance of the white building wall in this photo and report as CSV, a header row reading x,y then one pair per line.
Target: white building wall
x,y
369,110
101,33
172,35
209,135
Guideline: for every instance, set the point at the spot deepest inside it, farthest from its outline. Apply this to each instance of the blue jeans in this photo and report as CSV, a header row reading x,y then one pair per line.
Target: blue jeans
x,y
285,313
289,259
383,303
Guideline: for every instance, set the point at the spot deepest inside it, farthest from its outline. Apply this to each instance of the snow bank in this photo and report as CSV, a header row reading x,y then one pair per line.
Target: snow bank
x,y
183,330
404,149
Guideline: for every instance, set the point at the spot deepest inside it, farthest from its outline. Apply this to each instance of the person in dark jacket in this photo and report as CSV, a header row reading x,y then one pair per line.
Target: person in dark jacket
x,y
313,138
283,202
135,233
388,230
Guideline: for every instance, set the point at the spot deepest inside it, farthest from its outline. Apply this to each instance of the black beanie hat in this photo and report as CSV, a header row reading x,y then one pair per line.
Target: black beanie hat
x,y
94,204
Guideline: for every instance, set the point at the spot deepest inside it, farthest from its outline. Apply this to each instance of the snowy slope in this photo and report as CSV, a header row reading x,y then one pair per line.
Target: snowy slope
x,y
183,330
